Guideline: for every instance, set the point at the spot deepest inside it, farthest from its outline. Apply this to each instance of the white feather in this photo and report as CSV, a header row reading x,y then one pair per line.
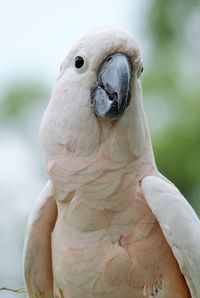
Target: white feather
x,y
180,225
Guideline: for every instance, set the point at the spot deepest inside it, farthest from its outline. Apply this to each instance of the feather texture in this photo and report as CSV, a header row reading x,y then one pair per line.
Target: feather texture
x,y
37,250
180,225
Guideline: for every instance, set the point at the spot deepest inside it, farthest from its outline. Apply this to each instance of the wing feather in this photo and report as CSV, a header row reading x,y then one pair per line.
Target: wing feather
x,y
37,250
180,226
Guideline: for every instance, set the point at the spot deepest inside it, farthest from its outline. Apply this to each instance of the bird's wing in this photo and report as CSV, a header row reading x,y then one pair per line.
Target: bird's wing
x,y
37,250
180,226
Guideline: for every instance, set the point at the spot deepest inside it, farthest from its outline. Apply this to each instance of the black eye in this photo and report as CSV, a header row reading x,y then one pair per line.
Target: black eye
x,y
140,71
79,62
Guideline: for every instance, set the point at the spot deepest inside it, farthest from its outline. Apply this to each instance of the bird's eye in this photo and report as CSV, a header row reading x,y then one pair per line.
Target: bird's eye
x,y
140,71
79,62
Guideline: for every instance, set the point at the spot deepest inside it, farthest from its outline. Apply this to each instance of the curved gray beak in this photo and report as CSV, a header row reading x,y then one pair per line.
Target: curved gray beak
x,y
110,95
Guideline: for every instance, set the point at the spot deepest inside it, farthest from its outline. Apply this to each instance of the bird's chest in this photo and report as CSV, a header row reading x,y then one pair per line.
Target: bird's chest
x,y
98,251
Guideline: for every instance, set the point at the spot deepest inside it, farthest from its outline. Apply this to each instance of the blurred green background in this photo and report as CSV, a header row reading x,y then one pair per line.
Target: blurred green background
x,y
169,36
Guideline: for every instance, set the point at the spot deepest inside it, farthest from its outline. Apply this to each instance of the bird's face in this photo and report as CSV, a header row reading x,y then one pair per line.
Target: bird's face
x,y
98,88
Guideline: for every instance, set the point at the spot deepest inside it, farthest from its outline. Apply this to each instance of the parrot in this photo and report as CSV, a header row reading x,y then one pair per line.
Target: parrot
x,y
107,224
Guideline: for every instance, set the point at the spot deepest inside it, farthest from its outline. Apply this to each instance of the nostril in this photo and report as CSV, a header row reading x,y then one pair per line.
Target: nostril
x,y
113,96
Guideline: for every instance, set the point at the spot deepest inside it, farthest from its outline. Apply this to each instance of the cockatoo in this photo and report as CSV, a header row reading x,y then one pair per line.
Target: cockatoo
x,y
107,224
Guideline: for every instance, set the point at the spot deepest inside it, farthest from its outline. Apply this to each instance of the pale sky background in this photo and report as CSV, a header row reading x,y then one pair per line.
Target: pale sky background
x,y
35,36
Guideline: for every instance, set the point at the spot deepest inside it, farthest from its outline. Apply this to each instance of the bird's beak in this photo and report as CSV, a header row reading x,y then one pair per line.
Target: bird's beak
x,y
110,95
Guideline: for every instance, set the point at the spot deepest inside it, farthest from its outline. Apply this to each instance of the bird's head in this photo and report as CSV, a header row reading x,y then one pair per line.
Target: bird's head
x,y
97,102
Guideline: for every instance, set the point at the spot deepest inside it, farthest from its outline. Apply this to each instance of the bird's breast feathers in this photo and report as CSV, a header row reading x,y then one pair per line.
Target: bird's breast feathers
x,y
109,238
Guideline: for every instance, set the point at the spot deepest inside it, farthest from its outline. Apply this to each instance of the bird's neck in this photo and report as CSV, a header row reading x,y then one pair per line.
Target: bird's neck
x,y
98,178
100,195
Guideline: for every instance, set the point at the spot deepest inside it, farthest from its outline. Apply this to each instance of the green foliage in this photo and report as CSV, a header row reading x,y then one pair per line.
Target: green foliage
x,y
18,97
166,20
177,149
174,95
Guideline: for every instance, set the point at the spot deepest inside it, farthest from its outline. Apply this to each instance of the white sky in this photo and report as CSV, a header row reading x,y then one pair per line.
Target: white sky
x,y
36,35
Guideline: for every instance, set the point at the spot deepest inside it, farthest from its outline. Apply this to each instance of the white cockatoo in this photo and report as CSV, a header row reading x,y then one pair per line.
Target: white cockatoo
x,y
107,224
